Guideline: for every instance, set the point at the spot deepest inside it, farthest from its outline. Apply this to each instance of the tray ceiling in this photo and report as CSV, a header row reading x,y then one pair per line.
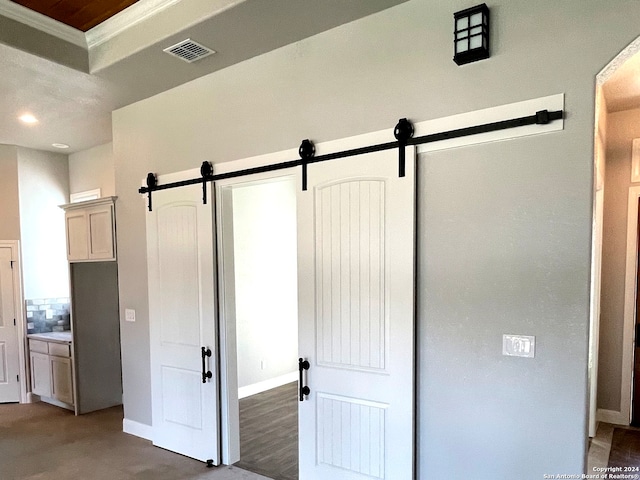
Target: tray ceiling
x,y
71,80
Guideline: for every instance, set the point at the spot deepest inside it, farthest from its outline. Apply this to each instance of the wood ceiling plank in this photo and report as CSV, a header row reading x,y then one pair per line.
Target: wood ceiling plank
x,y
92,13
80,14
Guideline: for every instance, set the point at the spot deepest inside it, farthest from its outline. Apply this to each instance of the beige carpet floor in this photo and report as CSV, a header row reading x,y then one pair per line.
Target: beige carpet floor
x,y
42,442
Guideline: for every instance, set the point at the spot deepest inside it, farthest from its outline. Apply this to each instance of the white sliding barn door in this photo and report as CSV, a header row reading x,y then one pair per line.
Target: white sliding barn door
x,y
182,320
356,318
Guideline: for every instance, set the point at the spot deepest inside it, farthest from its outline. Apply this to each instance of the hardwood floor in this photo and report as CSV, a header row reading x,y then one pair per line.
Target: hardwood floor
x,y
269,433
625,450
614,446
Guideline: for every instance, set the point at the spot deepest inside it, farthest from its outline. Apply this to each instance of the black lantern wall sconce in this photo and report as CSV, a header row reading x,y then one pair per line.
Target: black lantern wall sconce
x,y
471,36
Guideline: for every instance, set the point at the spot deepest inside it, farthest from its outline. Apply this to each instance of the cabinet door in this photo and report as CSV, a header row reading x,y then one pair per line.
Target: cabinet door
x,y
40,374
100,232
62,380
77,244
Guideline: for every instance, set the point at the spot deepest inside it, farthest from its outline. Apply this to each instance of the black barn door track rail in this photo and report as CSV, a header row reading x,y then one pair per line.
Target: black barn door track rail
x,y
403,133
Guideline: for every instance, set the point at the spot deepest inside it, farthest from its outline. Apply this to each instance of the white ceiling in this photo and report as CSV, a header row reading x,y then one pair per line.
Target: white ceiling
x,y
48,70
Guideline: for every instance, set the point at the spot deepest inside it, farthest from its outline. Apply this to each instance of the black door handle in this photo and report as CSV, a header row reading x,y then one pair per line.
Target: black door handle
x,y
304,390
205,352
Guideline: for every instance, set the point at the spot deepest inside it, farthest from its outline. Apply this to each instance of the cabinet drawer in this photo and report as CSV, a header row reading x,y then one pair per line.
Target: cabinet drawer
x,y
59,349
38,346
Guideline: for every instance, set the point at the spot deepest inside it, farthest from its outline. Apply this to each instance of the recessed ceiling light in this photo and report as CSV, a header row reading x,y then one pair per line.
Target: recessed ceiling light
x,y
60,145
28,118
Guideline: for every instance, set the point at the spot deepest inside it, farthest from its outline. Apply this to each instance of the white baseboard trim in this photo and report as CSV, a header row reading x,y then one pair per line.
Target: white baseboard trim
x,y
611,416
265,385
138,429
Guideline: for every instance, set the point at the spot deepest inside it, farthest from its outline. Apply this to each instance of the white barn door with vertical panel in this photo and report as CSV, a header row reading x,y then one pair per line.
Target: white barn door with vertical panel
x,y
182,321
356,318
9,362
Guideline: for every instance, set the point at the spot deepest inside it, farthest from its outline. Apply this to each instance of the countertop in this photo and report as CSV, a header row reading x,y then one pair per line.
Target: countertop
x,y
59,337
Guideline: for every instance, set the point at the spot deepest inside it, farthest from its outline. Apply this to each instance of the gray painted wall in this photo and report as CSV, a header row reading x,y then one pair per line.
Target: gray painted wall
x,y
91,169
526,203
9,198
622,128
501,257
43,179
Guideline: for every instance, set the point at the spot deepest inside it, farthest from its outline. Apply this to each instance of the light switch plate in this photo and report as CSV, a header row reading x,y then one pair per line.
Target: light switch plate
x,y
518,346
129,315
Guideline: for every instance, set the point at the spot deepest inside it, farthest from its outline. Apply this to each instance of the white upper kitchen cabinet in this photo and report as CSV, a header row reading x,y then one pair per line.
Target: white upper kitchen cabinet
x,y
90,228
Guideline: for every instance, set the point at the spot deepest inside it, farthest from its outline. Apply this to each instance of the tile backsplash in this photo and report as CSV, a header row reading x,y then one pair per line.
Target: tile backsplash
x,y
47,315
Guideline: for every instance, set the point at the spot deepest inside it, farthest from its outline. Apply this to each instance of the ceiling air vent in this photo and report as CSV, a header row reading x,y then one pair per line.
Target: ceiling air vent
x,y
189,51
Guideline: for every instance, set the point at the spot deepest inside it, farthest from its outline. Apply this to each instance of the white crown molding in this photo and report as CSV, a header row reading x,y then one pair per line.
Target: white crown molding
x,y
99,34
130,16
43,23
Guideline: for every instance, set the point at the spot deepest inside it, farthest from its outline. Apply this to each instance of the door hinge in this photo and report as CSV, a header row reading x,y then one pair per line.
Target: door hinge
x,y
17,378
14,322
11,262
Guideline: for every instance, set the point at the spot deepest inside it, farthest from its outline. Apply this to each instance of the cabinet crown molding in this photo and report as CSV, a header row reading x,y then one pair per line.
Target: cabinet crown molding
x,y
89,203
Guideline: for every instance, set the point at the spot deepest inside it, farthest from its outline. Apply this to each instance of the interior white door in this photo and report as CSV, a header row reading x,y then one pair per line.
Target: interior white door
x,y
182,321
9,361
356,318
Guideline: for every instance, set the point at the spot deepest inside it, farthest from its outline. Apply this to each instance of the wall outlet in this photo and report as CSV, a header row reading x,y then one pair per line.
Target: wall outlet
x,y
129,315
518,346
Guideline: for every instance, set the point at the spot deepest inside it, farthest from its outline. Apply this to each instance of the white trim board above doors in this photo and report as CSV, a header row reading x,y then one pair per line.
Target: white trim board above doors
x,y
489,115
453,122
468,129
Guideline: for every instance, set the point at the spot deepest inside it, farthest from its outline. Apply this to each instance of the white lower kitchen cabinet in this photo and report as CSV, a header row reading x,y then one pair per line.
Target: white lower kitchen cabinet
x,y
40,374
61,379
52,368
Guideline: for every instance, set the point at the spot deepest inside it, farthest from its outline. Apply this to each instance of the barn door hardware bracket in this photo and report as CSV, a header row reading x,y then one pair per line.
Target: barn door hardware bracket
x,y
542,117
403,132
206,171
152,183
306,151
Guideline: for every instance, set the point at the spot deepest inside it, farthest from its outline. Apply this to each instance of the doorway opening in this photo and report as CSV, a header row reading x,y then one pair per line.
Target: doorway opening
x,y
259,298
615,241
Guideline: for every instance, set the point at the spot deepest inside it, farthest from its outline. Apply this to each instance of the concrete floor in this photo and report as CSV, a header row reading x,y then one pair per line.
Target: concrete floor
x,y
41,442
600,447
